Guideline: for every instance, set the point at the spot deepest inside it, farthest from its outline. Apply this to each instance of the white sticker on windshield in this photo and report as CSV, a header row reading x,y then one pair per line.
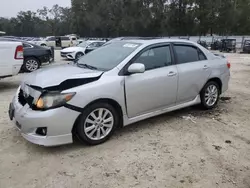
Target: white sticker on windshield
x,y
130,45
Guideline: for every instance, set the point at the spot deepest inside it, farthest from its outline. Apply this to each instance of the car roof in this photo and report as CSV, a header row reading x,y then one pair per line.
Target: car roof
x,y
95,41
155,41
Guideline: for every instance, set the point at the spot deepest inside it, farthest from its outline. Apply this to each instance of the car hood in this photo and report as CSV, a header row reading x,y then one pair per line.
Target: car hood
x,y
72,49
54,76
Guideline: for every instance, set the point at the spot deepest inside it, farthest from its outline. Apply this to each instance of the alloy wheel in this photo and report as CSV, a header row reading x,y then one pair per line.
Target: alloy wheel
x,y
31,65
98,124
211,95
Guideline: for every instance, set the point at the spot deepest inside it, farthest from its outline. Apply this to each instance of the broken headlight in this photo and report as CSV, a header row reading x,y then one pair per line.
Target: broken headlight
x,y
53,100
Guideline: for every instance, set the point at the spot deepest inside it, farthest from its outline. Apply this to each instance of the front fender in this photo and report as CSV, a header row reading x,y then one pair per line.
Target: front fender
x,y
107,87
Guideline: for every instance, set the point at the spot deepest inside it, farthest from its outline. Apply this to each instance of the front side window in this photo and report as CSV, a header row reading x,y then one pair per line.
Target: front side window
x,y
186,54
156,57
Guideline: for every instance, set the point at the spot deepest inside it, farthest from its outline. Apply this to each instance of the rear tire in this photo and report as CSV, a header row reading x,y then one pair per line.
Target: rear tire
x,y
210,95
31,64
97,123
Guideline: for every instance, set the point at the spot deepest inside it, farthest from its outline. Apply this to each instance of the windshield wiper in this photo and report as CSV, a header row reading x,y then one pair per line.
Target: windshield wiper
x,y
87,66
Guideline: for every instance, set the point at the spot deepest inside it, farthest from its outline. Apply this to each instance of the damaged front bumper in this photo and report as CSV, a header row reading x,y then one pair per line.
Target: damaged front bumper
x,y
58,123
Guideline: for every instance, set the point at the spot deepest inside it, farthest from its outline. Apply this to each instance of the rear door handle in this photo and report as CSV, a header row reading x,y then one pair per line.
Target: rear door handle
x,y
172,73
205,67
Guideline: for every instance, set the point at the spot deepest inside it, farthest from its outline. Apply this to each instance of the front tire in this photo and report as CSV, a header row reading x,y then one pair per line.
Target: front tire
x,y
210,95
31,64
97,123
79,55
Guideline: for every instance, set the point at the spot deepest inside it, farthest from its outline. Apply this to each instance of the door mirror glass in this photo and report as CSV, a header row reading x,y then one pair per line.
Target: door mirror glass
x,y
136,68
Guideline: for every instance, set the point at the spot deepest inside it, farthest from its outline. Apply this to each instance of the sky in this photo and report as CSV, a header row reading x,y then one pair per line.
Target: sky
x,y
10,8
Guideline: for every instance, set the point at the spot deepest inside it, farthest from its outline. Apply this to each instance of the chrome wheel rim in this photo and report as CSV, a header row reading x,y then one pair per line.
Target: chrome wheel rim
x,y
98,124
211,95
32,65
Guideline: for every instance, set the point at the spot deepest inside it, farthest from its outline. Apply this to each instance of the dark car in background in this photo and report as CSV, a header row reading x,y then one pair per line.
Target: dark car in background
x,y
228,45
34,55
246,46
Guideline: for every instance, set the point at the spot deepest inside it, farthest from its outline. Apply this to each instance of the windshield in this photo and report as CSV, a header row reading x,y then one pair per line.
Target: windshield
x,y
107,57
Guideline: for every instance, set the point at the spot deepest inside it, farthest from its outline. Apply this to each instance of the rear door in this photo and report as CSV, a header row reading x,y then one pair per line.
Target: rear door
x,y
66,42
194,70
51,41
74,41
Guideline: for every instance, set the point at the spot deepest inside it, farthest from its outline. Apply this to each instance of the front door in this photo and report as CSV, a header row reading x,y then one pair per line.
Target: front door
x,y
193,69
154,89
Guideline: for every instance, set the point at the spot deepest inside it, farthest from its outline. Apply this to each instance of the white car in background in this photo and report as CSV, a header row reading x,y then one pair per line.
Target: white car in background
x,y
81,49
11,61
38,41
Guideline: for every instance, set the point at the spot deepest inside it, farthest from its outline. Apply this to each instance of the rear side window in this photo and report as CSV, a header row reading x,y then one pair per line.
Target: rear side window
x,y
65,38
187,54
100,43
51,39
201,55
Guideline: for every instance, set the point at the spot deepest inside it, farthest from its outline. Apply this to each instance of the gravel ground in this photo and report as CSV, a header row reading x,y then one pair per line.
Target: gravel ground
x,y
186,148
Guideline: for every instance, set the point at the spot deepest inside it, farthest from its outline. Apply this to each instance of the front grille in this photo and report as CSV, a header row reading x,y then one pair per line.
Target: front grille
x,y
25,100
64,54
21,98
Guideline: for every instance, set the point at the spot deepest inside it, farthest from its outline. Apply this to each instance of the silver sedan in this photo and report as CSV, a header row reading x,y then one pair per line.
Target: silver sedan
x,y
116,85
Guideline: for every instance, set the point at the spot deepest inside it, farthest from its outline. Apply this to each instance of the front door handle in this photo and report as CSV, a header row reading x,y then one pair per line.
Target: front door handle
x,y
205,67
172,73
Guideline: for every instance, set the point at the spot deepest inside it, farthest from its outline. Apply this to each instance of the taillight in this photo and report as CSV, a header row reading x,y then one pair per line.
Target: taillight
x,y
19,52
228,64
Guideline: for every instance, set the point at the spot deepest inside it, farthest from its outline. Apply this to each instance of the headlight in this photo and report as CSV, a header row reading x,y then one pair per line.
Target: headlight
x,y
53,100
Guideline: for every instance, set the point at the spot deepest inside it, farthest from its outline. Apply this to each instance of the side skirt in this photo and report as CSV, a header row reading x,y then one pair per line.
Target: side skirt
x,y
128,121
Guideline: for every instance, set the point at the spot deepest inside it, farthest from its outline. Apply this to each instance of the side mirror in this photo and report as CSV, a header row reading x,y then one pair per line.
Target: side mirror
x,y
136,68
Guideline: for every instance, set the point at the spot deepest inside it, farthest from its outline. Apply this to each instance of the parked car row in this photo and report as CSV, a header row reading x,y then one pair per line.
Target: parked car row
x,y
50,41
33,55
